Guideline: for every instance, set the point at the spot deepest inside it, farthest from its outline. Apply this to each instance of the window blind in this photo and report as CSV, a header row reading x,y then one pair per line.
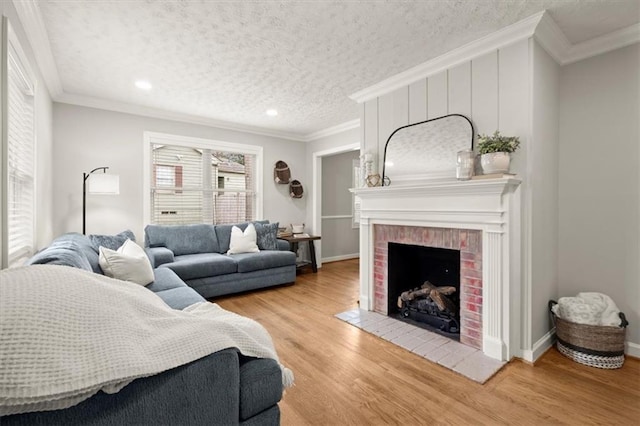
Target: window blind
x,y
20,163
190,184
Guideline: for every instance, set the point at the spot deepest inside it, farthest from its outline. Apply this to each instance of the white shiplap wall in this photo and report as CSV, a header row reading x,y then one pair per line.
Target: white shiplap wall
x,y
492,90
496,91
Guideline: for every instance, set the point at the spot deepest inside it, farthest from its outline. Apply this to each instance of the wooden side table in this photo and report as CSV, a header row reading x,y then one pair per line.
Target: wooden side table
x,y
293,244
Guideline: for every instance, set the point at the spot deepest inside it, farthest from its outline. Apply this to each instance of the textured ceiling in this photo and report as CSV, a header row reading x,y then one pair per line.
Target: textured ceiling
x,y
232,60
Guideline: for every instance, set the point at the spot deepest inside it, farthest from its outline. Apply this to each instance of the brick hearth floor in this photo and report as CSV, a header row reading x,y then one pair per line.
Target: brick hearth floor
x,y
455,356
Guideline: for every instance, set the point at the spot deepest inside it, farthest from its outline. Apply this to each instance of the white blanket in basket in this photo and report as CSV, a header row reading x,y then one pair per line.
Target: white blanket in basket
x,y
588,308
66,334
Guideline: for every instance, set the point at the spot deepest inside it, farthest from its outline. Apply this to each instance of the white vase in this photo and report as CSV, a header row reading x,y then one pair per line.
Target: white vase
x,y
495,162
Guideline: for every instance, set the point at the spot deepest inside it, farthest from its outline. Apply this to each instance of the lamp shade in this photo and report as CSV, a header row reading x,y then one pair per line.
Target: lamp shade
x,y
102,183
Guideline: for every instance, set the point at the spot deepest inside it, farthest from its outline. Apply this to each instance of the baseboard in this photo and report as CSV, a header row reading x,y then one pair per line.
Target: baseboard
x,y
632,349
339,258
540,347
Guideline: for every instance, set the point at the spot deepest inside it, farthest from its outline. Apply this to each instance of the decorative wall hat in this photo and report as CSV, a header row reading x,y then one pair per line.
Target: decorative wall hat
x,y
281,173
295,189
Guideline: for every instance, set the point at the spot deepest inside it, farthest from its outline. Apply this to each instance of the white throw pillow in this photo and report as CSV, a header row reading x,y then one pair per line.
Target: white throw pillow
x,y
128,263
243,242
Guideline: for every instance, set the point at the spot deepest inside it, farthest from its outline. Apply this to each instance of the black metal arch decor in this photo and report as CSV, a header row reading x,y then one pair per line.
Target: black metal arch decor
x,y
427,148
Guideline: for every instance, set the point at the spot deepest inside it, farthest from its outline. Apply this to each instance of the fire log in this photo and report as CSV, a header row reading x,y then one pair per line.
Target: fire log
x,y
442,301
428,285
435,293
408,296
445,289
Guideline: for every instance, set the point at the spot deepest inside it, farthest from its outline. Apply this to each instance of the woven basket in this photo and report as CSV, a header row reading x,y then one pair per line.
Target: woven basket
x,y
281,173
592,345
295,189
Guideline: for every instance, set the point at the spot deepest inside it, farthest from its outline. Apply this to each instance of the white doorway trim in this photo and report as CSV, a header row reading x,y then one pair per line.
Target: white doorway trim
x,y
316,199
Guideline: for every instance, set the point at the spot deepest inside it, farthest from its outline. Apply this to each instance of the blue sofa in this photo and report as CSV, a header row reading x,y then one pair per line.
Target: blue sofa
x,y
224,388
197,254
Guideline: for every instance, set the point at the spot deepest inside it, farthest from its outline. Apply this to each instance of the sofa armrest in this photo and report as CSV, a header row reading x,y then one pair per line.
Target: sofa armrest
x,y
203,392
283,245
159,255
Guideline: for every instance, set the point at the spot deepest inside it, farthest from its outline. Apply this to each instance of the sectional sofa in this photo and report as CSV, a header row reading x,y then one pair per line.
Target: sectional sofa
x,y
222,388
197,254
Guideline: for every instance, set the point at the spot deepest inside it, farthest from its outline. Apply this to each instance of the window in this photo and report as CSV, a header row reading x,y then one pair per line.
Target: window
x,y
19,180
165,176
169,177
193,180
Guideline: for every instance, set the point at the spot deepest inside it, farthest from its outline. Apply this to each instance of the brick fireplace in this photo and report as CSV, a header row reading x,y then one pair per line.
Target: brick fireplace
x,y
481,218
468,241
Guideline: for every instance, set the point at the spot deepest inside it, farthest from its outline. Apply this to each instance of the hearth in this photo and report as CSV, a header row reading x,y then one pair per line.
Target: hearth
x,y
424,286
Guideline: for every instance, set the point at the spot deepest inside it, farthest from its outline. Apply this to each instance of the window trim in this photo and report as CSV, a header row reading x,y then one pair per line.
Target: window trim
x,y
10,45
150,138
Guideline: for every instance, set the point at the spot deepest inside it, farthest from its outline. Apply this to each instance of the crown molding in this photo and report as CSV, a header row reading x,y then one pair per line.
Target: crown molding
x,y
115,106
549,35
109,105
553,40
333,130
33,24
541,26
496,40
606,43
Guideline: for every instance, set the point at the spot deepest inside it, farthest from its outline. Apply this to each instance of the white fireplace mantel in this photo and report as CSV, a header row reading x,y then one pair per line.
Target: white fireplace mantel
x,y
489,205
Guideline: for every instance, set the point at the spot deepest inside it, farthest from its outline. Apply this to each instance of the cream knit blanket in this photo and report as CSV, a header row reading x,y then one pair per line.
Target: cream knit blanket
x,y
588,308
66,334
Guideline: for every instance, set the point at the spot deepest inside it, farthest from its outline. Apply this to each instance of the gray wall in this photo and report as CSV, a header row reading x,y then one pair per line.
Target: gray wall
x,y
599,180
43,112
85,138
335,142
542,204
339,239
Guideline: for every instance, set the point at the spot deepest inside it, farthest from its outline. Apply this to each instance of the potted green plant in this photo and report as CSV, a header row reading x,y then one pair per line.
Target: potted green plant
x,y
495,152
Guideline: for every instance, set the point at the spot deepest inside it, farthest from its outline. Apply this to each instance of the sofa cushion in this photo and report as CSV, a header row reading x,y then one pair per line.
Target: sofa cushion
x,y
62,252
183,239
172,290
223,232
165,279
191,266
248,262
85,246
267,236
180,297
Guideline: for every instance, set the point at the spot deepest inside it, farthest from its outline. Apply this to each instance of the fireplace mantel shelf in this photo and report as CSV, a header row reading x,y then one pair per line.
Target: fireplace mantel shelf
x,y
440,187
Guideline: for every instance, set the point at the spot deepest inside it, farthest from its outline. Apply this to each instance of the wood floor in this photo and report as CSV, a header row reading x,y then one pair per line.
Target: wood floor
x,y
345,376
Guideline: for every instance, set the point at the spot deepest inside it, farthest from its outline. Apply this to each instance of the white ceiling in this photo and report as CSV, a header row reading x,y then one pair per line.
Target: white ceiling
x,y
233,60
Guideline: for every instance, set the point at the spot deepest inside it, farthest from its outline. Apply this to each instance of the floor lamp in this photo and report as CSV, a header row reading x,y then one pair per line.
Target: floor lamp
x,y
100,183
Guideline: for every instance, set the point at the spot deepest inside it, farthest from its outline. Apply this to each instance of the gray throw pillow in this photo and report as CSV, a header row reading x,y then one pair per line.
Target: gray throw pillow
x,y
267,235
112,242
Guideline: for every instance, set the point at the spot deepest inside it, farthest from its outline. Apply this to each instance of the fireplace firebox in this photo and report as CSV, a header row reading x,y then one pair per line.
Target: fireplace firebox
x,y
424,286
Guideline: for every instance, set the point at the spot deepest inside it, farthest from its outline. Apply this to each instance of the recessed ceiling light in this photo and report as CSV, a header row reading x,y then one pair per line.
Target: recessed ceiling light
x,y
143,84
272,112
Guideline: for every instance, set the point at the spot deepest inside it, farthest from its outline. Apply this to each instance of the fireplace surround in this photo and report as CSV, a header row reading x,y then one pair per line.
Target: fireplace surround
x,y
482,217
